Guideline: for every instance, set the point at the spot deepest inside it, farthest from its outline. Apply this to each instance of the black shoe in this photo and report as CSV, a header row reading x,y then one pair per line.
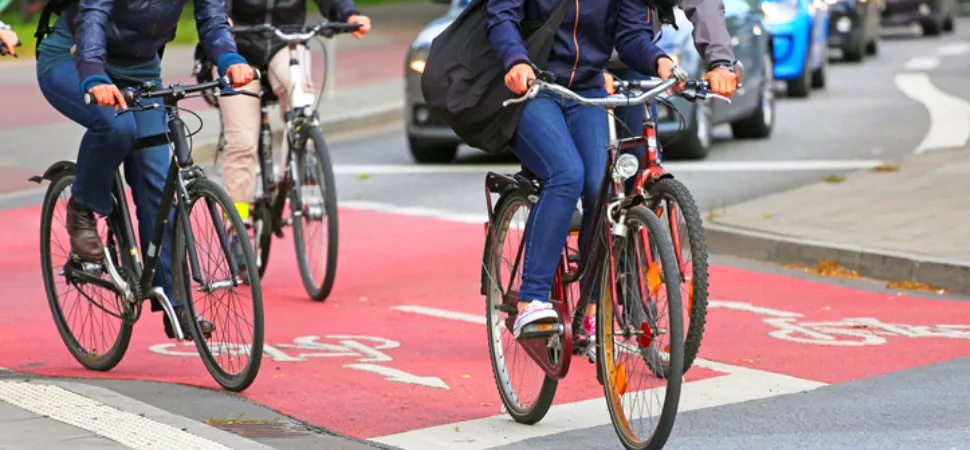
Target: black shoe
x,y
183,315
82,226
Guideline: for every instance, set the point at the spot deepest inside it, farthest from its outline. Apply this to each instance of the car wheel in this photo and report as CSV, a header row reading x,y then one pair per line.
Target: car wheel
x,y
799,87
695,141
424,152
931,28
948,24
818,75
872,47
758,125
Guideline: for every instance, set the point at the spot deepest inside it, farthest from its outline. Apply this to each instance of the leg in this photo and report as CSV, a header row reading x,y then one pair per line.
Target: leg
x,y
588,127
544,145
240,125
104,146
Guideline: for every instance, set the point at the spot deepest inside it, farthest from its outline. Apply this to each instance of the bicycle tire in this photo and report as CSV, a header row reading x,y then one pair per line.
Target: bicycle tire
x,y
698,292
89,360
205,189
613,390
507,205
316,290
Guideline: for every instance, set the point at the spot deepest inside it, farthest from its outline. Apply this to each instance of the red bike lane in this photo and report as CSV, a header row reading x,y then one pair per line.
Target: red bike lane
x,y
400,344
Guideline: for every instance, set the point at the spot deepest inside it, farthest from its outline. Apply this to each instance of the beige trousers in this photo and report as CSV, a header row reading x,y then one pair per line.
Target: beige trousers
x,y
240,124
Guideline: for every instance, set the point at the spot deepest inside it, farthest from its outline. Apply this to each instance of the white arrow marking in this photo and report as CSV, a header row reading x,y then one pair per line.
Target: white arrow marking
x,y
954,49
949,115
923,63
400,376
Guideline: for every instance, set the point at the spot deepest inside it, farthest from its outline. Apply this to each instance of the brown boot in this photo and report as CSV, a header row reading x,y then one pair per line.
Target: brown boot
x,y
82,226
182,313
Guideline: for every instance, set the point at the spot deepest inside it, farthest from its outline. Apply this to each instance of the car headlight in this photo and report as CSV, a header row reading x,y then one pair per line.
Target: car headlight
x,y
418,60
778,12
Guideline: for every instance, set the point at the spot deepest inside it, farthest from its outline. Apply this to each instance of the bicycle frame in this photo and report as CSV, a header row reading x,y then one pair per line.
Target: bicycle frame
x,y
182,171
611,195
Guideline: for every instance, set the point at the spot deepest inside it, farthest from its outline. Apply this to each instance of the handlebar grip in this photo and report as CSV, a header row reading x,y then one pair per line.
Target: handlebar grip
x,y
256,76
89,99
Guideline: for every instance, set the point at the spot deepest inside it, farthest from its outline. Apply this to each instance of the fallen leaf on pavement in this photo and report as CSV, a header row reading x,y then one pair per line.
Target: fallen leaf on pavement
x,y
826,308
464,376
886,168
747,360
914,286
362,176
457,429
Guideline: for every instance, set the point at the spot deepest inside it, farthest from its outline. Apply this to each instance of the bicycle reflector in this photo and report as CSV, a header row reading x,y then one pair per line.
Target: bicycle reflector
x,y
626,166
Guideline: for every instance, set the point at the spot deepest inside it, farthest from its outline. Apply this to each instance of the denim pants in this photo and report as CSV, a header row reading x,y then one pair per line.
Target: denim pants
x,y
105,145
564,144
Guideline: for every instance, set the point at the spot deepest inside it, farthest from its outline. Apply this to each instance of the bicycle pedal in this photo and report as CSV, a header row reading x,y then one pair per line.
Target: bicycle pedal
x,y
541,330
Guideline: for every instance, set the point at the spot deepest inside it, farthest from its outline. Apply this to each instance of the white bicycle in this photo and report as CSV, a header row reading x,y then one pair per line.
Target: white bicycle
x,y
307,185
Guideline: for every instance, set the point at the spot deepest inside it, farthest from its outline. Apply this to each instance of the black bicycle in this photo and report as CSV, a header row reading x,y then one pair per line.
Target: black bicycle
x,y
628,260
307,182
110,293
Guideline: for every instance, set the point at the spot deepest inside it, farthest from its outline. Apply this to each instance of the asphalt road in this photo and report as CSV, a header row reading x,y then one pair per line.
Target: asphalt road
x,y
905,392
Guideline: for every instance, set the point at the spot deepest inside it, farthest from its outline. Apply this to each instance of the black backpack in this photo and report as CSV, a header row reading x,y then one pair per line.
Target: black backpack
x,y
464,81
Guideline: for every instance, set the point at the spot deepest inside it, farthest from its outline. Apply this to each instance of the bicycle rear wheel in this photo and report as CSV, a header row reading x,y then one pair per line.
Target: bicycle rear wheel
x,y
233,353
678,212
313,204
525,405
631,340
89,318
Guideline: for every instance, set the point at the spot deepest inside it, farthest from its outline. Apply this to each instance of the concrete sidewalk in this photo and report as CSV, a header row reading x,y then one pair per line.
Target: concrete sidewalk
x,y
909,224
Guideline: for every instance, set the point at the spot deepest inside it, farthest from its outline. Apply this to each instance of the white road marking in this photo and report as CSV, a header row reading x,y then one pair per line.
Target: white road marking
x,y
400,376
88,414
949,115
742,306
953,49
442,313
701,166
741,384
923,63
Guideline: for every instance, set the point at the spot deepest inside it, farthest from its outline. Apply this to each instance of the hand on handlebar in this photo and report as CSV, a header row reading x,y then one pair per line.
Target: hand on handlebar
x,y
107,95
240,74
723,82
364,23
666,68
9,40
519,77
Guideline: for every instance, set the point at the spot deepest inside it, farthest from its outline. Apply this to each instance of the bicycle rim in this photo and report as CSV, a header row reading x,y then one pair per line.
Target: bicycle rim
x,y
315,228
527,399
233,353
87,316
631,340
678,212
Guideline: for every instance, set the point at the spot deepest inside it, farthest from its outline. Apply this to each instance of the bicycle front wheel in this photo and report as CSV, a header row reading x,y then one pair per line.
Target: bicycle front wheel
x,y
678,212
233,350
638,333
89,318
313,204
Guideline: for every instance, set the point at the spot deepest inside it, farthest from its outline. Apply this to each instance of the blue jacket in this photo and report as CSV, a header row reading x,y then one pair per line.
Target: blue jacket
x,y
131,31
584,42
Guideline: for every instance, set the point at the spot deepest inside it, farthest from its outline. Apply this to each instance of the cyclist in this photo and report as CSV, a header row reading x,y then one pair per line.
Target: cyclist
x,y
117,44
712,41
8,39
240,114
560,141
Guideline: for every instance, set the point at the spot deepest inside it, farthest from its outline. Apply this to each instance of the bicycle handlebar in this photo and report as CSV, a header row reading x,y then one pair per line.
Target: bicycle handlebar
x,y
325,28
692,90
177,91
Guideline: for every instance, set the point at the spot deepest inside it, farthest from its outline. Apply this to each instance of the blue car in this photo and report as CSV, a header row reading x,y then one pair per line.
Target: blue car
x,y
799,30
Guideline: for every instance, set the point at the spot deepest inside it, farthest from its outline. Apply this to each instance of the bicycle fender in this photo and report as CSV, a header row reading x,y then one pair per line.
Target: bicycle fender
x,y
53,171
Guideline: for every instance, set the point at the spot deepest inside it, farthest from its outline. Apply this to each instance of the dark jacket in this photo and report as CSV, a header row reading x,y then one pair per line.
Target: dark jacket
x,y
132,31
583,43
288,15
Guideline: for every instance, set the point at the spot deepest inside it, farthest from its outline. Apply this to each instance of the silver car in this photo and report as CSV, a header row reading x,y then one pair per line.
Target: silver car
x,y
430,140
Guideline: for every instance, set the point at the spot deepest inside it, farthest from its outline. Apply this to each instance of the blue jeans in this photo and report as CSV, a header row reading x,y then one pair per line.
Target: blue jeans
x,y
564,144
106,144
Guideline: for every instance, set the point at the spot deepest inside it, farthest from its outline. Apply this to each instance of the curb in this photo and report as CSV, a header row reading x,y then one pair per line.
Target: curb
x,y
880,264
353,121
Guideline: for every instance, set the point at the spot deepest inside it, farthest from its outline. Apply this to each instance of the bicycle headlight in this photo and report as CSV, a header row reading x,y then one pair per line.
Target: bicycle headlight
x,y
626,166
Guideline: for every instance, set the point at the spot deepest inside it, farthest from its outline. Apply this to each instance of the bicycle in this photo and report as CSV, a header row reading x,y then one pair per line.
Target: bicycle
x,y
128,281
674,204
614,259
308,169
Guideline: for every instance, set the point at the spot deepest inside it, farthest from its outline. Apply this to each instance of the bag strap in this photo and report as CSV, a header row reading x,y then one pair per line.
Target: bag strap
x,y
557,16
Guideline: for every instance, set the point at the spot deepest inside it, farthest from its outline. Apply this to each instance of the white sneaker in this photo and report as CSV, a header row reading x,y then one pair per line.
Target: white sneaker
x,y
536,311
